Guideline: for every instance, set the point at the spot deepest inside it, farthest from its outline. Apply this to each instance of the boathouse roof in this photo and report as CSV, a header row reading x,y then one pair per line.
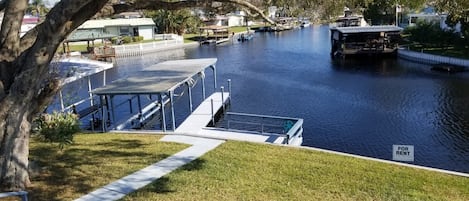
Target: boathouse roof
x,y
159,78
369,29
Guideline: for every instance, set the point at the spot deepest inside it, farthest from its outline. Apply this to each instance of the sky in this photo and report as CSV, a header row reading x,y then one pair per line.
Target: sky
x,y
50,3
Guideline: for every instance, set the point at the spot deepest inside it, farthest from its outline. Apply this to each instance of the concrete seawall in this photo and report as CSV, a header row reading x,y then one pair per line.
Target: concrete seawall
x,y
431,59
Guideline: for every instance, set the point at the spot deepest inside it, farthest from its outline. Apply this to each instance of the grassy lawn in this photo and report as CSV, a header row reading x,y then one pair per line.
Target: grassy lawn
x,y
449,51
93,161
246,171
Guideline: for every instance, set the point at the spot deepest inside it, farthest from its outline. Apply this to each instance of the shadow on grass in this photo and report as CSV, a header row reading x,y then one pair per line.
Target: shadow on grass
x,y
196,164
163,184
160,186
122,144
70,168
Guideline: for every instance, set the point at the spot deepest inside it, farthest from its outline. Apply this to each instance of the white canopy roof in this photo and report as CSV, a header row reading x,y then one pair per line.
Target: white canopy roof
x,y
159,78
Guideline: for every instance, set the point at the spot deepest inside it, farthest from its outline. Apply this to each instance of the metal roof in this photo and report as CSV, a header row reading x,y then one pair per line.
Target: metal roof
x,y
85,35
369,29
96,24
159,78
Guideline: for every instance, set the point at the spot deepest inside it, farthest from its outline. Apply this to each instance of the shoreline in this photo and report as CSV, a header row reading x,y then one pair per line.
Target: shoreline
x,y
431,59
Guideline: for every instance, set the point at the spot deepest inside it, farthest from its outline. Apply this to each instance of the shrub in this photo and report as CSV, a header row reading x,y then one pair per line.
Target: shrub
x,y
114,40
127,39
138,38
58,127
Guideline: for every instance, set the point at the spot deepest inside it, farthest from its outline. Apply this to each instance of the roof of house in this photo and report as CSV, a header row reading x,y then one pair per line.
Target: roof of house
x,y
84,35
94,24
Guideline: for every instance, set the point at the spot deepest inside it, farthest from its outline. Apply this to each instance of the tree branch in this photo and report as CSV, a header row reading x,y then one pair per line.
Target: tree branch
x,y
159,4
10,30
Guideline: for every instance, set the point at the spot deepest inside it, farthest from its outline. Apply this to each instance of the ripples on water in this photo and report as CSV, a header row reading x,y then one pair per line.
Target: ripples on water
x,y
360,106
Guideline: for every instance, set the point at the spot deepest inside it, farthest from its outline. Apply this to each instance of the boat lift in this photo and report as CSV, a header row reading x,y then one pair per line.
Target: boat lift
x,y
160,80
209,119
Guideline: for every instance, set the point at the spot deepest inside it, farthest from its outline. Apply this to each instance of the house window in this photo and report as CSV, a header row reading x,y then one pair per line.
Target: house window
x,y
124,31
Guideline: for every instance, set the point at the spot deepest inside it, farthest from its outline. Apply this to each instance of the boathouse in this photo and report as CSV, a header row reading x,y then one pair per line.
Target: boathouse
x,y
364,40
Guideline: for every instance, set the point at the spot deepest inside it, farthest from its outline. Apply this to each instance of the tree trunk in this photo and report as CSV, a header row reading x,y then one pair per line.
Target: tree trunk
x,y
14,144
25,84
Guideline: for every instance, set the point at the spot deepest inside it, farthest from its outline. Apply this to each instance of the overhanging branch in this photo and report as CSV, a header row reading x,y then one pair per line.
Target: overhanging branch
x,y
159,4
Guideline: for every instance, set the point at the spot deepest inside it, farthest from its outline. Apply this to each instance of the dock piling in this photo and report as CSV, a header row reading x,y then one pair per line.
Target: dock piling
x,y
229,89
213,118
222,97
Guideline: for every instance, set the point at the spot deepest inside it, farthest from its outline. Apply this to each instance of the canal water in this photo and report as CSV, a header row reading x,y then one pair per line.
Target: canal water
x,y
361,106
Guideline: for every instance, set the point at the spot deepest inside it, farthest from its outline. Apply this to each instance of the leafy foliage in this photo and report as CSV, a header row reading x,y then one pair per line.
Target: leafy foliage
x,y
58,127
175,21
429,34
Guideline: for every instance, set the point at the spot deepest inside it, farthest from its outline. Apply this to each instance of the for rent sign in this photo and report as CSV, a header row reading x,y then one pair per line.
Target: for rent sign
x,y
403,152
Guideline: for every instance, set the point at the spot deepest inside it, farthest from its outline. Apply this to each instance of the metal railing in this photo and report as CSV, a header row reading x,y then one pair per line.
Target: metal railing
x,y
167,41
287,127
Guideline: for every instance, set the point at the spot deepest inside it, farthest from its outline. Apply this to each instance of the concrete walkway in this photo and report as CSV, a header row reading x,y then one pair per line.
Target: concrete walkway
x,y
120,188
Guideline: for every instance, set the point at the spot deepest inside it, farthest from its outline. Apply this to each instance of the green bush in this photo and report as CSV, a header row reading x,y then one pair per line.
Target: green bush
x,y
127,39
114,40
137,38
429,34
58,127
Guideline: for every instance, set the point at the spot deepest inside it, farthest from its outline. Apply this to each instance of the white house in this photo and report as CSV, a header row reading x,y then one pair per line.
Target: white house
x,y
432,17
237,18
272,12
130,27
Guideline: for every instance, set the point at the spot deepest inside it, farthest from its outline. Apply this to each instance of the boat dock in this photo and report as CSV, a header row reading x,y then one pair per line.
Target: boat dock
x,y
204,114
364,40
158,85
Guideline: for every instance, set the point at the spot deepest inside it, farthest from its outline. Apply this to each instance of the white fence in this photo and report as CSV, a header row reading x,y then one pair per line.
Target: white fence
x,y
431,59
168,41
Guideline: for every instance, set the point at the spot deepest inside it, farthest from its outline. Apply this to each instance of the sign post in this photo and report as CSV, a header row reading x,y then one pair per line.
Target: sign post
x,y
403,153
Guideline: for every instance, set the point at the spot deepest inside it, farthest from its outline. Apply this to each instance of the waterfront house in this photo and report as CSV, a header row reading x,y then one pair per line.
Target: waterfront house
x,y
144,27
233,19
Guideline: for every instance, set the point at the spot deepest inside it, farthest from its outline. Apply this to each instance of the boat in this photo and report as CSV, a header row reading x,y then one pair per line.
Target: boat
x,y
305,23
78,76
246,36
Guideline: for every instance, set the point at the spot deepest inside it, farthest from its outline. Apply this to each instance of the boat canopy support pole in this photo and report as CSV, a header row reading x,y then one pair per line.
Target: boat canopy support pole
x,y
222,98
139,102
229,89
189,92
111,99
214,68
171,102
203,87
61,100
103,114
89,91
163,117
